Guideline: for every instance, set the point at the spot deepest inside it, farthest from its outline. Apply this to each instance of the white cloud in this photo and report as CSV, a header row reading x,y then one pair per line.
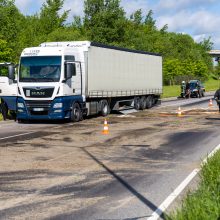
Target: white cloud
x,y
172,5
198,22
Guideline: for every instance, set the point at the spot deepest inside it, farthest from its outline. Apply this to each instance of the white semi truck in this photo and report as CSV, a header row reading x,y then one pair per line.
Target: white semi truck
x,y
68,80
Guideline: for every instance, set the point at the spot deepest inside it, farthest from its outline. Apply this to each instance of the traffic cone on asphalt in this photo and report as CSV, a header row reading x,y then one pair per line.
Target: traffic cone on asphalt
x,y
179,112
105,129
210,103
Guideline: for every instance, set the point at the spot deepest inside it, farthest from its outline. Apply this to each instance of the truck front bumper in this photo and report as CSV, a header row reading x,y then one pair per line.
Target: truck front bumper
x,y
56,109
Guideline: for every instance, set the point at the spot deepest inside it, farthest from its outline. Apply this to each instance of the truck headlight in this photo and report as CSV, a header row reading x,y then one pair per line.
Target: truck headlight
x,y
58,105
20,105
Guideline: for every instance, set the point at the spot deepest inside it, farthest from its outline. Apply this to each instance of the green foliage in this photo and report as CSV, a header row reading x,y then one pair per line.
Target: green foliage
x,y
50,19
5,52
104,21
65,34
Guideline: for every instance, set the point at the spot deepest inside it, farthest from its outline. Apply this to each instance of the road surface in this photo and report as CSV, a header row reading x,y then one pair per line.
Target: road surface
x,y
73,171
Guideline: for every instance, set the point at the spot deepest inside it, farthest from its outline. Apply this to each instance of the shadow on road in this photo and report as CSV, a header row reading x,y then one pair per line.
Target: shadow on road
x,y
144,200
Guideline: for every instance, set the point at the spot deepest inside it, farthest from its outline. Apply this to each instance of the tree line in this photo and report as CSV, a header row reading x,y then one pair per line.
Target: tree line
x,y
104,21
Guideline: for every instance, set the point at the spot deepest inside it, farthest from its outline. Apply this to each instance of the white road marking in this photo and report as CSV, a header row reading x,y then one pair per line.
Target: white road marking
x,y
166,203
17,135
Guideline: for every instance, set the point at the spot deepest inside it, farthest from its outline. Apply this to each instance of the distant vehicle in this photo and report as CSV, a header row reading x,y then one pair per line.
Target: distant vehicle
x,y
197,89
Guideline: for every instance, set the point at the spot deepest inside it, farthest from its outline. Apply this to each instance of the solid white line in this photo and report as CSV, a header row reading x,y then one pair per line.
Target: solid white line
x,y
165,204
17,135
156,214
210,154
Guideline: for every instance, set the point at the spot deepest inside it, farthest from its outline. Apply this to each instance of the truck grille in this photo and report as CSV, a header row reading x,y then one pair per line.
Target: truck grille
x,y
38,107
38,92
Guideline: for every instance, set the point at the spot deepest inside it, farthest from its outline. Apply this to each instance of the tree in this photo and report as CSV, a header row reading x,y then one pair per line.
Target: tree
x,y
5,52
50,19
104,21
11,22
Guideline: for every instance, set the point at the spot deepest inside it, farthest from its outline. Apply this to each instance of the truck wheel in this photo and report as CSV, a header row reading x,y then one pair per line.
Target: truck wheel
x,y
104,108
143,103
76,114
149,102
137,103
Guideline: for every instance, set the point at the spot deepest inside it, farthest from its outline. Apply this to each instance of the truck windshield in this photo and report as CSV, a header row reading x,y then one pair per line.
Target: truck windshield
x,y
40,69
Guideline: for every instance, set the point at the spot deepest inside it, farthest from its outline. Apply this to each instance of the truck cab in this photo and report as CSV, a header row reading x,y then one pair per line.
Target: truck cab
x,y
50,82
8,88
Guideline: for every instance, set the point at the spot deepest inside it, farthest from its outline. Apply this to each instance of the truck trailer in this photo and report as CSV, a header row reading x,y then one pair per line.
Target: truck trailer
x,y
69,80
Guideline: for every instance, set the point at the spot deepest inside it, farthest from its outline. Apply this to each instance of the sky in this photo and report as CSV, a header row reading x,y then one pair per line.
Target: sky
x,y
198,18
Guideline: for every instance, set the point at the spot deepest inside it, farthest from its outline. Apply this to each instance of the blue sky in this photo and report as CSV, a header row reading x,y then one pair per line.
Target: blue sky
x,y
199,18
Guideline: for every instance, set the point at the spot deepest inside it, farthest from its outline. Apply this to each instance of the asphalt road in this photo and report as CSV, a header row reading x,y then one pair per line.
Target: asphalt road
x,y
71,171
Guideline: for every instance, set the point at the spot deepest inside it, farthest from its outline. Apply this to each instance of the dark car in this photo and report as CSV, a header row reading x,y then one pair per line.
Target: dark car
x,y
197,89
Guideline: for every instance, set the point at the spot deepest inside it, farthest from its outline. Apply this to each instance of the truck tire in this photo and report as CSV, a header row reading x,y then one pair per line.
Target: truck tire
x,y
143,103
149,102
104,108
76,113
137,103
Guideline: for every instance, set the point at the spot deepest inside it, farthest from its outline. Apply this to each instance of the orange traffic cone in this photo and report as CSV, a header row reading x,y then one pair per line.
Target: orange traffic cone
x,y
179,112
105,129
210,103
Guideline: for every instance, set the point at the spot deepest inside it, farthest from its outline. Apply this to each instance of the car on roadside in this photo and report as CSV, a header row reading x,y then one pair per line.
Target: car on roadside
x,y
197,89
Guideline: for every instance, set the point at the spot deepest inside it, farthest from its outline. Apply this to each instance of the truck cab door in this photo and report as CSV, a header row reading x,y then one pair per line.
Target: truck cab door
x,y
76,80
7,87
8,84
74,77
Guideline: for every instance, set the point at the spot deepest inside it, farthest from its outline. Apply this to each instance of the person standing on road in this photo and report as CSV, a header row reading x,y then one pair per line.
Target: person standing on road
x,y
217,98
188,93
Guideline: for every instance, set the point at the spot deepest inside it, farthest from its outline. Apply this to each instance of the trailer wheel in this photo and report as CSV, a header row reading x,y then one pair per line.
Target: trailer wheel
x,y
137,103
143,103
76,114
104,108
149,102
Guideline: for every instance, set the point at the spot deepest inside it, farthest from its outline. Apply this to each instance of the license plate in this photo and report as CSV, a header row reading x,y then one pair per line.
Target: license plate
x,y
38,109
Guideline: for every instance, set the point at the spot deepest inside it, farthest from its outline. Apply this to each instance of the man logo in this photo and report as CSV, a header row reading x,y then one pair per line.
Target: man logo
x,y
38,93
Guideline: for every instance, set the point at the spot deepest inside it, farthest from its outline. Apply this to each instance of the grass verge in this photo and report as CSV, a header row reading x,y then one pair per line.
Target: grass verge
x,y
204,203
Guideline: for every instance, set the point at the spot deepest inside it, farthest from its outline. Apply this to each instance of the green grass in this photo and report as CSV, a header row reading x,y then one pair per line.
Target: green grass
x,y
174,91
212,84
204,203
171,91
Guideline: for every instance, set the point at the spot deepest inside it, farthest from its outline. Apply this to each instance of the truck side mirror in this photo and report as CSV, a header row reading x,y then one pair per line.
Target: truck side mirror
x,y
69,69
11,72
